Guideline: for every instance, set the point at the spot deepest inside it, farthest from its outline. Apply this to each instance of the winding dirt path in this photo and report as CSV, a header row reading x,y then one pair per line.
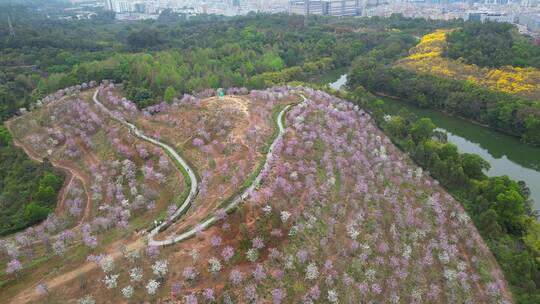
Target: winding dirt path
x,y
29,295
201,226
171,152
70,172
239,198
64,193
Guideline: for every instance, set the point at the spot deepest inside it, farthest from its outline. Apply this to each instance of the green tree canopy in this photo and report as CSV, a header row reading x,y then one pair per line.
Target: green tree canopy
x,y
5,137
422,130
270,62
170,93
474,165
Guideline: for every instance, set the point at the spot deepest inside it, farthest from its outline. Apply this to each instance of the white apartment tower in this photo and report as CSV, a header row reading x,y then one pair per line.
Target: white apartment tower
x,y
109,5
326,7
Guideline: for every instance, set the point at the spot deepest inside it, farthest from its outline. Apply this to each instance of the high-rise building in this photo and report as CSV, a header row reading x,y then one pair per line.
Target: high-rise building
x,y
123,6
531,21
139,7
326,7
109,5
303,7
342,8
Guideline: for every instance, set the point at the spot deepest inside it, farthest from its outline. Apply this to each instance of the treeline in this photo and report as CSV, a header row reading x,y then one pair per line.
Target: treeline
x,y
499,206
164,75
254,52
39,47
504,112
492,44
28,190
257,50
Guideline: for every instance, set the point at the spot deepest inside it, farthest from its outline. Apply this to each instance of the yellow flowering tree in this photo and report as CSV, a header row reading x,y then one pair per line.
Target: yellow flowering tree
x,y
428,57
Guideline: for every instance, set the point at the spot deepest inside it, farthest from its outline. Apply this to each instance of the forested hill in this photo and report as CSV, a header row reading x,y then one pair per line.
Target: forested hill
x,y
492,44
28,190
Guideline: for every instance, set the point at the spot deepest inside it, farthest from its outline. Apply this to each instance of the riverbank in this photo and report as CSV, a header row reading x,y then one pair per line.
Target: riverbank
x,y
474,122
506,154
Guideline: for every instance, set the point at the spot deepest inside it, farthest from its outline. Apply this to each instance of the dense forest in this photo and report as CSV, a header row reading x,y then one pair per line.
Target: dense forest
x,y
183,55
492,44
28,190
254,52
499,206
508,113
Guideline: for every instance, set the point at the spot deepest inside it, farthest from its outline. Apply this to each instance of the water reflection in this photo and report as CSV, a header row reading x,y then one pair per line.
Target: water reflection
x,y
339,83
496,144
506,154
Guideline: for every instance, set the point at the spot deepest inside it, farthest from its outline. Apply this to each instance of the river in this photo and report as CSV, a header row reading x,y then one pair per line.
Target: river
x,y
506,154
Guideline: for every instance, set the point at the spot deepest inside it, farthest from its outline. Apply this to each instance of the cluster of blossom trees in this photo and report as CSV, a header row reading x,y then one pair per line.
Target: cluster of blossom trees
x,y
341,215
116,189
271,95
132,271
357,189
205,127
71,132
360,222
205,130
61,93
53,234
66,128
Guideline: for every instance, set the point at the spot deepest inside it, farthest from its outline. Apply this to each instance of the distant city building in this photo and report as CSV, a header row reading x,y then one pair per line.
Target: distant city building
x,y
531,21
139,7
523,13
133,6
301,7
496,17
326,7
123,6
218,7
109,5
